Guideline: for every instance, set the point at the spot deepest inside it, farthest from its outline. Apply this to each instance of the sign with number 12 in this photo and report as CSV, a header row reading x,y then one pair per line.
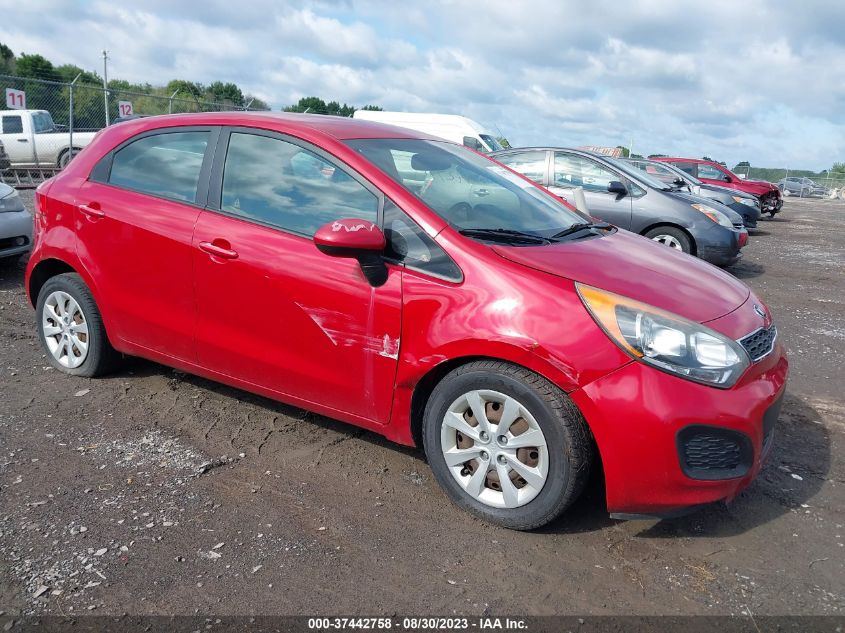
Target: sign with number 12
x,y
124,109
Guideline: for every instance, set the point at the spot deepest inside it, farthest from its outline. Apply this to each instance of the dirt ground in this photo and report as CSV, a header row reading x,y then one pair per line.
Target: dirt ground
x,y
155,492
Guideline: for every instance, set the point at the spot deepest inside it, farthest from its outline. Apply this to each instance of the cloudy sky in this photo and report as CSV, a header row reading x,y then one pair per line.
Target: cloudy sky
x,y
753,80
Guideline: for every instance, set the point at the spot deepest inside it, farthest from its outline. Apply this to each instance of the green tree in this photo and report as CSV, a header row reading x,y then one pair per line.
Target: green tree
x,y
255,103
37,67
636,156
838,168
7,60
312,105
185,88
625,151
227,93
373,108
69,72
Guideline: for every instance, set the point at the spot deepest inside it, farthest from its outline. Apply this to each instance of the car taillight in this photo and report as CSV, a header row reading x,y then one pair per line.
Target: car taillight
x,y
743,239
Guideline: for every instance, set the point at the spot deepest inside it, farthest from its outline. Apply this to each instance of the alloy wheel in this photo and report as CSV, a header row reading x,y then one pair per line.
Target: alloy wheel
x,y
65,329
669,240
494,449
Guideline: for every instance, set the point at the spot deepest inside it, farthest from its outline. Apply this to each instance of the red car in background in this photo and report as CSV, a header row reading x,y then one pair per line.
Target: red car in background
x,y
713,173
415,288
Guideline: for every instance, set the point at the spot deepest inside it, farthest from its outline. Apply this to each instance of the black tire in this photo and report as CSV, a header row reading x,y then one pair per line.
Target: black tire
x,y
678,234
101,356
567,437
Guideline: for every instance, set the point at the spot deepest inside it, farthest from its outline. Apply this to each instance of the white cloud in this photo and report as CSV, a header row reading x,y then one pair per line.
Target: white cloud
x,y
755,80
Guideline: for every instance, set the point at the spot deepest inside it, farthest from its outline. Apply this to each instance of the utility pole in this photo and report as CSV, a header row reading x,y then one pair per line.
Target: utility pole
x,y
106,84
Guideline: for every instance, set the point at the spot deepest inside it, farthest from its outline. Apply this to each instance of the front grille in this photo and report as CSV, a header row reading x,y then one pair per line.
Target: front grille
x,y
710,453
758,344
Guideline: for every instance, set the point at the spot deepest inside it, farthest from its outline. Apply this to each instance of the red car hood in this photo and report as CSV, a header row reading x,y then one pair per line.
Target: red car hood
x,y
755,186
641,269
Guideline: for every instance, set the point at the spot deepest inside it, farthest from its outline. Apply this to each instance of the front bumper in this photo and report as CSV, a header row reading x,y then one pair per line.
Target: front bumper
x,y
637,413
749,214
771,202
718,245
14,227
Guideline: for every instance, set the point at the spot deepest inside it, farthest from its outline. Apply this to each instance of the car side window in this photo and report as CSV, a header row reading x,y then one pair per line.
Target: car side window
x,y
530,164
12,125
708,171
281,184
409,245
687,167
166,165
573,171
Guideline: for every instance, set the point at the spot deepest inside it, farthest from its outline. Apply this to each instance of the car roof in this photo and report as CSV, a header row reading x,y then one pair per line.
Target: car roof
x,y
685,160
340,128
512,150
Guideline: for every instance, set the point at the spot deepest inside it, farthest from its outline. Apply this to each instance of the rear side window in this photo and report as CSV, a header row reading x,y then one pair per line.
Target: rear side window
x,y
166,165
573,171
289,187
530,164
12,125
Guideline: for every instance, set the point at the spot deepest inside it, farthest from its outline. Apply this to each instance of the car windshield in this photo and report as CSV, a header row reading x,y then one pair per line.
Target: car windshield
x,y
469,191
492,143
42,122
638,174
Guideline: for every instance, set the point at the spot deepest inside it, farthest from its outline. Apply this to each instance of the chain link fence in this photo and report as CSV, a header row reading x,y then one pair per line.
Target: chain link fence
x,y
44,123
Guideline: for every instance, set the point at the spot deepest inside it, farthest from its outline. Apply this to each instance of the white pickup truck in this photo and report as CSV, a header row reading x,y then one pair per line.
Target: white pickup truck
x,y
33,140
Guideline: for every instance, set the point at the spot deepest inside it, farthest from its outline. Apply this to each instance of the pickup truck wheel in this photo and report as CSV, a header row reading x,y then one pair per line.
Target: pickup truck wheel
x,y
66,156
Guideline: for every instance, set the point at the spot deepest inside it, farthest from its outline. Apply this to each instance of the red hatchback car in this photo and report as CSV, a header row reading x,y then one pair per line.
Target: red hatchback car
x,y
712,173
415,288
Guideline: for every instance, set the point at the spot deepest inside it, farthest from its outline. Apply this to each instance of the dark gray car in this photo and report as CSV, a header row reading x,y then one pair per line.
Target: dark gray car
x,y
743,203
630,199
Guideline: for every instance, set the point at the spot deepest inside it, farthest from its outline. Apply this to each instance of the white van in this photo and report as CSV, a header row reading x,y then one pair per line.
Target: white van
x,y
452,127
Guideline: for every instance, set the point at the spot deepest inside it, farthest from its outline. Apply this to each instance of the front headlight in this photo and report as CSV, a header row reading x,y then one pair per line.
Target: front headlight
x,y
665,340
12,202
751,202
714,214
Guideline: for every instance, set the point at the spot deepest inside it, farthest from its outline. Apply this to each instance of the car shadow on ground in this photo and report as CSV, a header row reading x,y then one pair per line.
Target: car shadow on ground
x,y
745,270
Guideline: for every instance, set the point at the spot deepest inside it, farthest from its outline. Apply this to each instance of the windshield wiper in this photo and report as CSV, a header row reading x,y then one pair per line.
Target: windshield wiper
x,y
505,235
582,226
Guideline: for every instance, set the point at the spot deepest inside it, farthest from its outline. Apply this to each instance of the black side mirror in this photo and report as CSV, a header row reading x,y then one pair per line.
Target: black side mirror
x,y
728,178
614,186
679,181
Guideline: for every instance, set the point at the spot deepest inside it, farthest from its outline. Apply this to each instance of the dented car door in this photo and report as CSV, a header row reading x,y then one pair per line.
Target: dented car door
x,y
272,309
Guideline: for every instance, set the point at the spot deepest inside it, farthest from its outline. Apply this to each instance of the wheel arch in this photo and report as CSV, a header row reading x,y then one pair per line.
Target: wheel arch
x,y
673,225
424,387
42,272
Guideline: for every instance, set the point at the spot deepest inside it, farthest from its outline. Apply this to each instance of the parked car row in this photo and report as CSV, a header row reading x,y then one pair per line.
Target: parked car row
x,y
627,197
712,173
424,291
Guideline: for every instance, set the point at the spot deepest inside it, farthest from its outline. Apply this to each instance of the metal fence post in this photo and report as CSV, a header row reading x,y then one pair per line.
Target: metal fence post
x,y
70,116
170,104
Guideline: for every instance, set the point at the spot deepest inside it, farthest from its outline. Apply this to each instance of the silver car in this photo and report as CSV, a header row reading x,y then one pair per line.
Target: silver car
x,y
15,225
